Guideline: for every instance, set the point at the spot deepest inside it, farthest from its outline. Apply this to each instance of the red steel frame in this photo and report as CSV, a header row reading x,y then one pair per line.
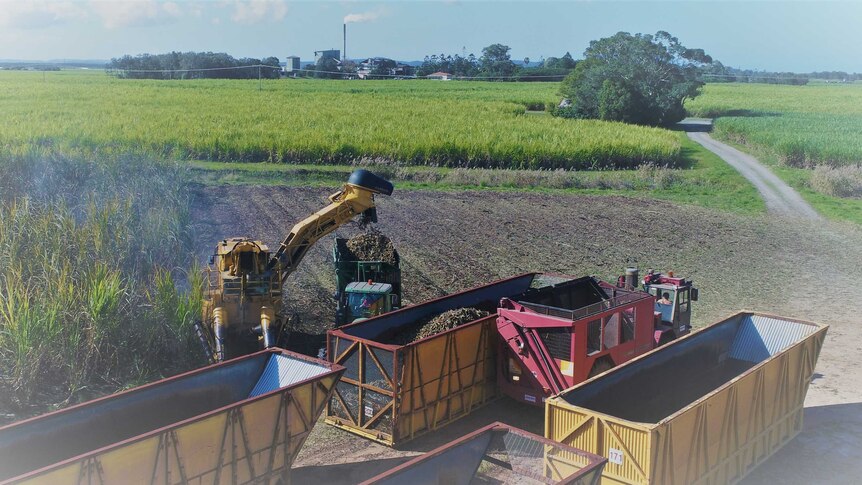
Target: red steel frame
x,y
541,374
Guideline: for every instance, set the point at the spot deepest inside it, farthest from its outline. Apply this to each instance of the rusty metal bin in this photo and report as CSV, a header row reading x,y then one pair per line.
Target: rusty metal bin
x,y
706,408
498,453
393,393
240,421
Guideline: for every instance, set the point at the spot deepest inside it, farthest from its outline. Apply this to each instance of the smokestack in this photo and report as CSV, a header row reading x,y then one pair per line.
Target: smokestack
x,y
344,50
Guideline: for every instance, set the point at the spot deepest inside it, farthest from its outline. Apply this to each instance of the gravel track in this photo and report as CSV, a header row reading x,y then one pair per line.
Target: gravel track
x,y
780,198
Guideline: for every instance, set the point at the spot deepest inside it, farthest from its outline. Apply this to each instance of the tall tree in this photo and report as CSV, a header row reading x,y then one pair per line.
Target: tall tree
x,y
275,71
496,61
327,68
566,62
637,78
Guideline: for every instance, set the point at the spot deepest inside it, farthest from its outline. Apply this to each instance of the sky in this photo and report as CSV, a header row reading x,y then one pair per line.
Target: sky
x,y
772,35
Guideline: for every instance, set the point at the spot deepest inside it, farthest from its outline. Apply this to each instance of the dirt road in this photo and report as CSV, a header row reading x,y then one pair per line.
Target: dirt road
x,y
453,241
780,198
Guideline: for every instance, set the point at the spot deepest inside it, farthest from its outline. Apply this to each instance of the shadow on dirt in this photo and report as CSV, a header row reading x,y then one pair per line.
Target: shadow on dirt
x,y
689,125
305,343
704,124
746,113
504,409
344,473
826,451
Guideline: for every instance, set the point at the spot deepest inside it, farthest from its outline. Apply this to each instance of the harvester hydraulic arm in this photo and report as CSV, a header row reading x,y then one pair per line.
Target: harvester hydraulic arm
x,y
356,197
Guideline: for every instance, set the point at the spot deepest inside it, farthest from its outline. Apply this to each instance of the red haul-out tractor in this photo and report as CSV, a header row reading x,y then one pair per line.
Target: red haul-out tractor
x,y
555,337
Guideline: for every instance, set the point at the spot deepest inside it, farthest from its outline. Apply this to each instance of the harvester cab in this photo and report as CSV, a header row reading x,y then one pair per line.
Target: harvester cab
x,y
241,312
366,300
673,297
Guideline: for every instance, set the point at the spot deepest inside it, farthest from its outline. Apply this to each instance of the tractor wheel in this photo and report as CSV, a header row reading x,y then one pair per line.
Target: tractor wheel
x,y
666,338
601,365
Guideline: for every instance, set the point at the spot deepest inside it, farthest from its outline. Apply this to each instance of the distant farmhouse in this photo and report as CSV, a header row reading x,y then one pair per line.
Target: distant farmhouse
x,y
440,76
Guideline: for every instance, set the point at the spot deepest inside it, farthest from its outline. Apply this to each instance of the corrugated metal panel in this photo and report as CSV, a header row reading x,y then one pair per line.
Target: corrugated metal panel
x,y
761,337
282,371
723,434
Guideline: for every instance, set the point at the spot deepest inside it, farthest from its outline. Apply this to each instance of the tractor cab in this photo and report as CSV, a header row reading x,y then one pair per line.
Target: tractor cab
x,y
366,300
673,296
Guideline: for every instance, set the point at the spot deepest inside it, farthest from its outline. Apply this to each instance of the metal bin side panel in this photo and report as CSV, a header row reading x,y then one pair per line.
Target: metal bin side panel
x,y
364,400
446,377
256,441
627,445
570,468
725,435
78,430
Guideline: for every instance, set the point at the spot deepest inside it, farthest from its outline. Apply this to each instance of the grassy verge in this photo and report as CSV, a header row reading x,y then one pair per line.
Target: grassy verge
x,y
89,303
706,181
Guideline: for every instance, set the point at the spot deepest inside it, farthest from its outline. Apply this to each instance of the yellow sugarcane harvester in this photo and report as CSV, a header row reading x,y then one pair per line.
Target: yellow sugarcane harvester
x,y
242,305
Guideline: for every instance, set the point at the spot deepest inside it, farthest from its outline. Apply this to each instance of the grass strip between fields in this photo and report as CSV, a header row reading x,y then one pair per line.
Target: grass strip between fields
x,y
707,182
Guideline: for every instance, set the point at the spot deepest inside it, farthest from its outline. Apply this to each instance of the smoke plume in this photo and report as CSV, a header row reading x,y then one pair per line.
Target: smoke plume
x,y
353,18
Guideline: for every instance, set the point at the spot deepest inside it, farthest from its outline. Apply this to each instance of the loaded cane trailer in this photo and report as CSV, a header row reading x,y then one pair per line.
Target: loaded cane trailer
x,y
351,271
706,408
392,392
498,453
240,421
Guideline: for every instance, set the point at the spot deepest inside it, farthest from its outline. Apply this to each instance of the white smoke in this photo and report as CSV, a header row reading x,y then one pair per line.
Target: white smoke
x,y
353,18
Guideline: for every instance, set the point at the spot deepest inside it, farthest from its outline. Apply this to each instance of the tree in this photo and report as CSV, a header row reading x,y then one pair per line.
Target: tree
x,y
496,62
455,65
275,71
327,68
566,62
639,78
383,68
349,67
191,65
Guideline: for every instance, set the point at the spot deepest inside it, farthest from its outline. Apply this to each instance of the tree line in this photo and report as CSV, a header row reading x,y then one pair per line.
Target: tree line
x,y
192,65
496,64
718,72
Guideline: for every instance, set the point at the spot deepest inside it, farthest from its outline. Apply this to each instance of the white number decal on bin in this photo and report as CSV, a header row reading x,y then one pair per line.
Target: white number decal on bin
x,y
615,456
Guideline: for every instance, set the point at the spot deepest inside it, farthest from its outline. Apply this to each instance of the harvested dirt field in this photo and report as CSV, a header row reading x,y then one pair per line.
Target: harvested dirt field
x,y
453,241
